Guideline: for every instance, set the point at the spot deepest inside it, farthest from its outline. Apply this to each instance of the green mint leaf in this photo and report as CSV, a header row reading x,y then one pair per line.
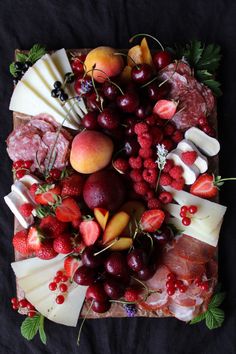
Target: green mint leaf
x,y
217,300
12,69
199,318
30,326
35,53
42,333
195,52
21,57
214,318
210,58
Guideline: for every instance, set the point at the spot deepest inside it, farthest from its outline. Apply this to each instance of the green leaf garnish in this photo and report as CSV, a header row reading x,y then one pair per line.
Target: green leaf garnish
x,y
214,316
13,70
21,57
31,326
204,59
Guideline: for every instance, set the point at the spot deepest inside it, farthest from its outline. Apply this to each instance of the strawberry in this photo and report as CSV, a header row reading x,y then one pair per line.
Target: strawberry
x,y
34,239
165,109
47,194
68,210
204,186
33,189
20,242
71,264
72,186
76,223
89,231
132,294
152,220
26,209
189,157
46,250
51,226
63,244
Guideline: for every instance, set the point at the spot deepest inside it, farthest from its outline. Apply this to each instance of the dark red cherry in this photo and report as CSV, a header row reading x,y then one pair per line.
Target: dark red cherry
x,y
137,259
147,272
161,59
96,292
88,258
109,90
90,121
93,102
143,111
115,264
128,102
83,86
114,288
108,119
141,73
101,307
77,64
84,276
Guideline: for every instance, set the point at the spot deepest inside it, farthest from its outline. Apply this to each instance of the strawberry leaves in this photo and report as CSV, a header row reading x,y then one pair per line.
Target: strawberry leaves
x,y
31,326
214,316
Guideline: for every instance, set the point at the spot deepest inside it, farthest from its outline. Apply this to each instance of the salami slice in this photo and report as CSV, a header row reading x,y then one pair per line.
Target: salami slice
x,y
58,149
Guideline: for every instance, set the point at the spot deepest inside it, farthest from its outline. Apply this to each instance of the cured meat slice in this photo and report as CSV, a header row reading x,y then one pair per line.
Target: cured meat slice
x,y
181,267
183,313
193,250
58,149
42,125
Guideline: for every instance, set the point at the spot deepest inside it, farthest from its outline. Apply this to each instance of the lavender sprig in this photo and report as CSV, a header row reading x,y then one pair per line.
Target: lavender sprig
x,y
161,160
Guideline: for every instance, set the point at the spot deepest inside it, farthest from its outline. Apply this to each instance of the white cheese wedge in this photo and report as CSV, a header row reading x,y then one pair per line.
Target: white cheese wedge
x,y
190,173
14,201
210,238
23,192
201,161
28,180
209,214
210,146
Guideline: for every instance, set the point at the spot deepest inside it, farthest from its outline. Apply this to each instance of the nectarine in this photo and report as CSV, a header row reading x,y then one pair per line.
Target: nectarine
x,y
91,151
104,59
115,226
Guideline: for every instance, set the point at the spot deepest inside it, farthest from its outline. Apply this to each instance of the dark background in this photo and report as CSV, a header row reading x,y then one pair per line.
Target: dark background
x,y
87,23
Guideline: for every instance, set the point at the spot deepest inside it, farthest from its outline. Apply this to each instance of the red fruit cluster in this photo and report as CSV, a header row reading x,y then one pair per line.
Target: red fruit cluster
x,y
23,304
172,176
186,213
59,284
174,284
205,126
20,168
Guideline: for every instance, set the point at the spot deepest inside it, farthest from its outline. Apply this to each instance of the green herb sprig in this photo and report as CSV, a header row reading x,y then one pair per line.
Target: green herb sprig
x,y
33,325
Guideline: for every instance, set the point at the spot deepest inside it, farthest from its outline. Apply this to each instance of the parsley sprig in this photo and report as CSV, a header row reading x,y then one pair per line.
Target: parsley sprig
x,y
214,316
33,325
204,59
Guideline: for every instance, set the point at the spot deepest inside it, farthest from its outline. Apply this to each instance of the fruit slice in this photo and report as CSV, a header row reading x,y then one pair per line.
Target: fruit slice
x,y
68,210
115,226
46,194
125,76
34,238
122,244
89,231
165,109
101,216
152,220
136,54
71,264
135,210
147,57
204,187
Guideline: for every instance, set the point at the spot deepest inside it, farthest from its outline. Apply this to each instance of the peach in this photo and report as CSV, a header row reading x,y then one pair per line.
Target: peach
x,y
115,226
135,210
147,56
136,54
91,151
104,59
122,244
101,216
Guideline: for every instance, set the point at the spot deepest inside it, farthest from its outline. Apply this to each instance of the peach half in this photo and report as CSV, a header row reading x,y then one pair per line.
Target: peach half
x,y
91,151
104,59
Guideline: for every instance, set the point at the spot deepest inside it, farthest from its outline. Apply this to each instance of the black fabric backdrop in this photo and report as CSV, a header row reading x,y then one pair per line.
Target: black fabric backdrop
x,y
87,23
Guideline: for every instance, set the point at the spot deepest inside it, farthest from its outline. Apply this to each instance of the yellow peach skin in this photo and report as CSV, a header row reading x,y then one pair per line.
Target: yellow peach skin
x,y
104,59
91,151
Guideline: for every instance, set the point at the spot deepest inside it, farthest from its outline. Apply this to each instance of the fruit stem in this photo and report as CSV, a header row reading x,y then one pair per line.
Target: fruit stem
x,y
123,302
150,82
128,56
106,248
225,179
98,98
147,35
82,323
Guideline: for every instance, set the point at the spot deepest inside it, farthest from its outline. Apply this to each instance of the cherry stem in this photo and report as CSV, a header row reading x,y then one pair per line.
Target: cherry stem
x,y
147,35
107,247
98,98
82,323
128,56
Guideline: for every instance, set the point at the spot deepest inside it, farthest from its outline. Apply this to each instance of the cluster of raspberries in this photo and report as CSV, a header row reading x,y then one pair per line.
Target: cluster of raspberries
x,y
142,169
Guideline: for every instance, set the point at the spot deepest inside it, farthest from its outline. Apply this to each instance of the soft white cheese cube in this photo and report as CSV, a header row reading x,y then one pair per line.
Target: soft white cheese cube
x,y
210,146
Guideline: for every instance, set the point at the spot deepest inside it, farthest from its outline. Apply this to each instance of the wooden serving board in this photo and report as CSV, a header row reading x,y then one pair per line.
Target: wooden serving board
x,y
116,310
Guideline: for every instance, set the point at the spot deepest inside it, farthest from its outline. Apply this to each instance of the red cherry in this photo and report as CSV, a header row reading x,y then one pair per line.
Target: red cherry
x,y
192,209
93,102
77,65
128,102
63,287
52,286
31,314
161,59
110,91
141,73
186,221
60,299
23,303
108,119
20,173
90,121
83,86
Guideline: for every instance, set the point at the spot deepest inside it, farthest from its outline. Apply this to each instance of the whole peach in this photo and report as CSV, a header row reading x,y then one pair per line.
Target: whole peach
x,y
104,59
91,151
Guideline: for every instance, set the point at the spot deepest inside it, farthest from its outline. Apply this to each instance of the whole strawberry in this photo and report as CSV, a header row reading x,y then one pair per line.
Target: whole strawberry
x,y
46,251
52,227
20,242
72,186
63,244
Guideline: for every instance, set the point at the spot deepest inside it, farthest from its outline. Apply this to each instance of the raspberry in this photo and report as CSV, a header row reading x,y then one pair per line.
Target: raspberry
x,y
176,172
165,197
145,153
141,128
149,195
169,129
135,162
165,179
150,163
33,189
189,157
157,135
136,175
177,136
178,184
154,203
168,144
141,187
26,209
121,165
168,165
151,120
145,140
150,175
131,295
